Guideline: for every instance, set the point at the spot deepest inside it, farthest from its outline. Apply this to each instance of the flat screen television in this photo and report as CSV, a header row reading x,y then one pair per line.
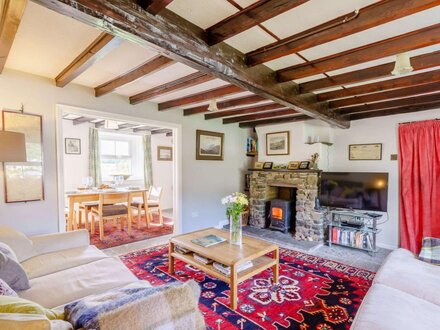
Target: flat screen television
x,y
354,190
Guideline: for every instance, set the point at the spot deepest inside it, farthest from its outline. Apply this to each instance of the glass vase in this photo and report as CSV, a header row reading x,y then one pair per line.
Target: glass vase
x,y
235,230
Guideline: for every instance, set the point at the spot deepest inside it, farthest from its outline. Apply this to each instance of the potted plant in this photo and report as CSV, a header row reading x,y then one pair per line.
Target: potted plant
x,y
236,204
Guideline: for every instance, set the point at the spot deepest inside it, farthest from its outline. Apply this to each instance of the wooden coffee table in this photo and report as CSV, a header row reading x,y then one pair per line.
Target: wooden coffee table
x,y
228,254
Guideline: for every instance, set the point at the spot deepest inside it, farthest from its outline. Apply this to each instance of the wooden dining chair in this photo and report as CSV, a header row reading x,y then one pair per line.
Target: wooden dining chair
x,y
153,202
139,204
113,206
85,209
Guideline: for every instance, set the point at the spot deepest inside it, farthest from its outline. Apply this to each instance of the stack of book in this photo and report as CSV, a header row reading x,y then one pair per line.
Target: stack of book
x,y
226,270
350,237
202,259
181,250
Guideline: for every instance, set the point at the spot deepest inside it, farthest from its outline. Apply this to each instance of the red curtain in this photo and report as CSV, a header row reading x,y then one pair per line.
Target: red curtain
x,y
419,162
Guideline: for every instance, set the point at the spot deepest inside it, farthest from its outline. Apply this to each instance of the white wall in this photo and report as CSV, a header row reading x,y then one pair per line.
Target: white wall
x,y
78,164
377,130
299,150
162,170
203,182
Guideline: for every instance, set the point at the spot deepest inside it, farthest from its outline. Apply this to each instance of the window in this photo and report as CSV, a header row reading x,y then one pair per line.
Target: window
x,y
121,154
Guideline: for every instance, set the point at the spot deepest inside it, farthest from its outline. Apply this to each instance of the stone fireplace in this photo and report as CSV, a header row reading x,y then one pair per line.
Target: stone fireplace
x,y
265,185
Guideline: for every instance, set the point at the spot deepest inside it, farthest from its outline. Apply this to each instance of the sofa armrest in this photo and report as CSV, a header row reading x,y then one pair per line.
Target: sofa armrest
x,y
60,241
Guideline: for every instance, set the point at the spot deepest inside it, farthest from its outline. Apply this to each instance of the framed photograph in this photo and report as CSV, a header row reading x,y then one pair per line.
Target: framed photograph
x,y
370,151
304,165
258,165
209,145
164,153
278,143
23,182
267,165
293,165
72,146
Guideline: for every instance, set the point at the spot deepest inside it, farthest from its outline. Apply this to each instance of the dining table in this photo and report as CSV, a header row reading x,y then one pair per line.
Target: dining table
x,y
93,195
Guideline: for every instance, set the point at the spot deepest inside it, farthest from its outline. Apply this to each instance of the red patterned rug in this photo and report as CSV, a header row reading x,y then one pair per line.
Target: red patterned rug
x,y
114,236
313,293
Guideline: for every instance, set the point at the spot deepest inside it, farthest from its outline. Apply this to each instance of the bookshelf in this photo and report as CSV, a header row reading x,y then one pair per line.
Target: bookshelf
x,y
356,230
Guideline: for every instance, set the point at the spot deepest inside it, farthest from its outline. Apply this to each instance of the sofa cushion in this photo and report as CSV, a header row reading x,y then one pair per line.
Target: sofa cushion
x,y
75,283
18,242
11,271
138,304
56,261
386,308
5,290
430,250
403,271
24,306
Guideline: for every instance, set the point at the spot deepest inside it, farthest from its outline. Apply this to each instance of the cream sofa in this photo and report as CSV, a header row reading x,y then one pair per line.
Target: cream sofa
x,y
64,267
405,295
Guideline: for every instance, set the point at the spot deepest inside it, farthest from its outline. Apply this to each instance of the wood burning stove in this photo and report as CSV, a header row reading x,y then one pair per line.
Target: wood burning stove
x,y
281,214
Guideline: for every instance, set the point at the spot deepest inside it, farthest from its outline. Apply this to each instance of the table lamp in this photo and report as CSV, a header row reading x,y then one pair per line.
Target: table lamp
x,y
12,147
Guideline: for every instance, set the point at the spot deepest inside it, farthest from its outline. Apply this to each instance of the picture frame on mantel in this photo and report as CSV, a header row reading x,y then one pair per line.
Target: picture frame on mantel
x,y
24,182
278,143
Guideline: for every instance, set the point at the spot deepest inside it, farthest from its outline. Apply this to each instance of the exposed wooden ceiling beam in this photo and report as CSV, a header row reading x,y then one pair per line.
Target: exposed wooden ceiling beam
x,y
415,39
395,111
386,95
200,97
406,81
161,131
99,124
144,129
274,121
173,36
263,115
420,62
375,14
410,101
225,104
155,64
127,125
242,111
154,6
169,134
172,86
100,47
81,120
11,12
249,17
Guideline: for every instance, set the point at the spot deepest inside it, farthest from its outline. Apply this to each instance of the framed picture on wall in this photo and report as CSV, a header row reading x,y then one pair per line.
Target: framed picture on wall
x,y
370,151
164,153
24,181
72,146
278,143
209,145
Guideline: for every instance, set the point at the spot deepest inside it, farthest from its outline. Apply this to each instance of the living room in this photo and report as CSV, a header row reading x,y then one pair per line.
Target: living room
x,y
348,88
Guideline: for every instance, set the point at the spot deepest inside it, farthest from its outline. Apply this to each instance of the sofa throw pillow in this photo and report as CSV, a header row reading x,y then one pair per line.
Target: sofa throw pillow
x,y
5,289
18,242
430,251
11,271
22,306
139,306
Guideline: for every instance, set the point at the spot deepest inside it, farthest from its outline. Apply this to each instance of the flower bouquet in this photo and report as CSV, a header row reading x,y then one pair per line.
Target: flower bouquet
x,y
236,204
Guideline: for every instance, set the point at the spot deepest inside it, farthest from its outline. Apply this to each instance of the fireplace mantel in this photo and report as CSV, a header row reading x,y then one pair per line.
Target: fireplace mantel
x,y
288,171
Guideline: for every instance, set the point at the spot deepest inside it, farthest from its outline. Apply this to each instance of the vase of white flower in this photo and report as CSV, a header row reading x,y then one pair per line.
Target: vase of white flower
x,y
235,205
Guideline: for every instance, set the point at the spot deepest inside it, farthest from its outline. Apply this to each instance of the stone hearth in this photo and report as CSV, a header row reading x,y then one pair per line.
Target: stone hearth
x,y
263,187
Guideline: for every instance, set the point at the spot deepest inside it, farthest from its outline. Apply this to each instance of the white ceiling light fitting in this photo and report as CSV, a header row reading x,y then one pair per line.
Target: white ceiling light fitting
x,y
403,65
213,105
111,124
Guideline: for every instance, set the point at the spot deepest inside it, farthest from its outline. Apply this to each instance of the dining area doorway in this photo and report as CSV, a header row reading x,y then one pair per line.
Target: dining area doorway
x,y
118,179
